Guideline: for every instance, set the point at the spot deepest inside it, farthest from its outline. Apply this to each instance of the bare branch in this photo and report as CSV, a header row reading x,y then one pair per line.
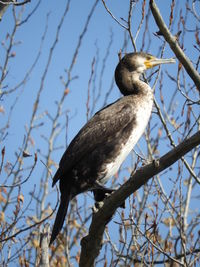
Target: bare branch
x,y
115,19
44,260
15,3
172,41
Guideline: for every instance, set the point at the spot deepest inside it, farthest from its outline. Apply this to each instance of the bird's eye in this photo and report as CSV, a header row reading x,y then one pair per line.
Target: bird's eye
x,y
148,57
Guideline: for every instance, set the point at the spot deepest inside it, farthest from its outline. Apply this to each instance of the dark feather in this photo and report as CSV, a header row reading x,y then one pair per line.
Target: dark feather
x,y
105,124
60,216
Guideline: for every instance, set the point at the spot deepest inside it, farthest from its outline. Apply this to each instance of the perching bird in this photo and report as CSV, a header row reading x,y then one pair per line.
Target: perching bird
x,y
101,146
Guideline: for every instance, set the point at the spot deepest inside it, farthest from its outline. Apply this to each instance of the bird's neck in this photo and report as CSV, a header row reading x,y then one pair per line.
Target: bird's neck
x,y
132,85
139,87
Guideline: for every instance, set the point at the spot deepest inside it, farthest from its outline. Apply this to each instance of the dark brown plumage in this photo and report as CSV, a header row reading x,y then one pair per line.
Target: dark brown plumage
x,y
100,147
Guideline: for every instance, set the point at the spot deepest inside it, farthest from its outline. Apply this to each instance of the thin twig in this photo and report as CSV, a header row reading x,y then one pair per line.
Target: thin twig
x,y
172,41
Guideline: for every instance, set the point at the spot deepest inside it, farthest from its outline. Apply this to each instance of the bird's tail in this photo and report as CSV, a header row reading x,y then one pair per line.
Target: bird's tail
x,y
60,217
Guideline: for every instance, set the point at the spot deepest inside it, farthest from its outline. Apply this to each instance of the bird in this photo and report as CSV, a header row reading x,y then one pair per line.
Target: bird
x,y
100,147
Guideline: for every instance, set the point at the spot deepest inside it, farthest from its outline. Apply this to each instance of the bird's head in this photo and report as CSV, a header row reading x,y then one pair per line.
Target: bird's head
x,y
132,65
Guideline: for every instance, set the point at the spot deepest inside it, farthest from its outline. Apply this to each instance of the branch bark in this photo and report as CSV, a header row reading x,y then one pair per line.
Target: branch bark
x,y
91,244
44,247
172,41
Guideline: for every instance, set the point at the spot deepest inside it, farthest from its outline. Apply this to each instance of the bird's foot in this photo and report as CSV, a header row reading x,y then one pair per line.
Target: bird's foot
x,y
97,206
156,163
101,194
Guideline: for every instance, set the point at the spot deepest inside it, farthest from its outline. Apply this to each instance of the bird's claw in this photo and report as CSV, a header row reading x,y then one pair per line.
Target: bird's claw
x,y
97,206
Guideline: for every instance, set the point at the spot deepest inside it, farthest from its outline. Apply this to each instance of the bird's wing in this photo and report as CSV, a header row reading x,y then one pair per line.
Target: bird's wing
x,y
105,123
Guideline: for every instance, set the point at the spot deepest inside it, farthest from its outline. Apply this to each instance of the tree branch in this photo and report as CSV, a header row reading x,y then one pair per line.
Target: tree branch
x,y
172,41
44,246
5,2
4,5
91,244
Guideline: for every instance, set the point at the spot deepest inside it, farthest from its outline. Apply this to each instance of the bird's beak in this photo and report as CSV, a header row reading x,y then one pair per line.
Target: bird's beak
x,y
150,63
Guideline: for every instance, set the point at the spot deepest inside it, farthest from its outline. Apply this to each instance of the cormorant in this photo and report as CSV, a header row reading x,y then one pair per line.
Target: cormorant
x,y
101,146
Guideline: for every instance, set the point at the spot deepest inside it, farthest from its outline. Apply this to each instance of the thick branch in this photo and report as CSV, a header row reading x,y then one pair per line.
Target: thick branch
x,y
172,41
91,244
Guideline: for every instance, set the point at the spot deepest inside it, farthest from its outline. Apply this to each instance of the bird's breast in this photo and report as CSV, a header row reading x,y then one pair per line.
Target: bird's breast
x,y
142,113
